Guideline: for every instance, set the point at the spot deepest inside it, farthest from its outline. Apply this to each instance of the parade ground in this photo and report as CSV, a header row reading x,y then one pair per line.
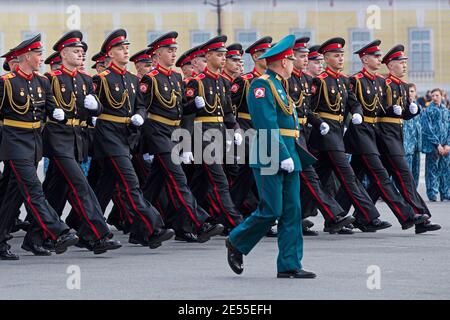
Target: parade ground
x,y
389,264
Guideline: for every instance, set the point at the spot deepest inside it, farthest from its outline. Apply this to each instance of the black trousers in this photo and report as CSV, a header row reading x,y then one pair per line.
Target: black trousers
x,y
371,165
183,213
24,186
118,172
399,170
65,180
244,191
314,195
212,177
336,161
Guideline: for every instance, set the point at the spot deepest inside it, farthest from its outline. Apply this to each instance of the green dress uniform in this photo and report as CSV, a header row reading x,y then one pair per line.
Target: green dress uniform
x,y
271,110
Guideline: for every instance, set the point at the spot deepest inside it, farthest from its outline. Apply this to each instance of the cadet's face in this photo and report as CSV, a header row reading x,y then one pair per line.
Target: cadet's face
x,y
373,62
412,93
187,70
436,97
262,63
12,64
302,60
335,60
72,56
315,67
398,68
199,64
232,66
143,67
35,60
100,67
120,54
216,59
167,56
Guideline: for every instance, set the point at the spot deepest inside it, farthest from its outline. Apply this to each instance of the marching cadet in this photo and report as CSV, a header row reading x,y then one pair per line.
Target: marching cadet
x,y
10,62
298,86
54,61
315,61
271,109
332,100
142,62
115,137
101,62
231,70
243,191
26,98
184,62
207,93
390,136
360,140
160,92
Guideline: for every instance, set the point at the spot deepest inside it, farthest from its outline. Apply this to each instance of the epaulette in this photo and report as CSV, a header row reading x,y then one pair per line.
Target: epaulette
x,y
104,73
323,75
8,76
55,73
264,77
358,75
152,73
85,73
388,81
247,76
186,80
200,76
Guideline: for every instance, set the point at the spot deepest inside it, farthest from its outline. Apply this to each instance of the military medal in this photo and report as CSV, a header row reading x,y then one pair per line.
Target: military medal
x,y
117,87
295,89
368,91
63,88
223,89
210,90
39,91
332,90
22,93
84,89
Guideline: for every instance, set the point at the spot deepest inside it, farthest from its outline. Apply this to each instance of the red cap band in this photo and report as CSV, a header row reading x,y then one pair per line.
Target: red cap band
x,y
369,50
68,41
113,42
282,55
332,47
165,42
233,53
142,57
394,55
300,45
34,45
215,45
259,47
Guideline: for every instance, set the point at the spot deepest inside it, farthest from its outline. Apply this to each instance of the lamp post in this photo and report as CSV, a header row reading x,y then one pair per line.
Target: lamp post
x,y
218,4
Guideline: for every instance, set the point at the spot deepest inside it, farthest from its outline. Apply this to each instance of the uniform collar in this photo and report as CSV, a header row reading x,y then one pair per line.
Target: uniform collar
x,y
227,76
68,72
24,75
332,73
274,74
211,74
163,70
117,70
368,74
256,73
395,79
297,72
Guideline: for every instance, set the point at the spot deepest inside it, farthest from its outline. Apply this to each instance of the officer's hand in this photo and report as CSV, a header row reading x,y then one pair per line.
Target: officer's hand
x,y
397,109
187,157
148,157
137,120
356,118
413,108
446,150
324,128
287,165
237,138
94,121
90,102
199,102
58,114
441,150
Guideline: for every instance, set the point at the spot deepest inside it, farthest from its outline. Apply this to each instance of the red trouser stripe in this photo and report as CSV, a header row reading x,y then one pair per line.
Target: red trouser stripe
x,y
213,205
349,192
172,199
402,183
75,193
380,187
177,191
74,205
123,208
28,200
130,198
316,196
218,197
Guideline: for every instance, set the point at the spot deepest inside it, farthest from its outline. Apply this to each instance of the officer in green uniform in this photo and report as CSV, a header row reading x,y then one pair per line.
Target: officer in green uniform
x,y
273,111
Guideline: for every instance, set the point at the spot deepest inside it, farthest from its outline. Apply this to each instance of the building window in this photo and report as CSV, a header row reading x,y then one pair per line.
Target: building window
x,y
246,38
420,54
153,35
301,33
358,39
200,37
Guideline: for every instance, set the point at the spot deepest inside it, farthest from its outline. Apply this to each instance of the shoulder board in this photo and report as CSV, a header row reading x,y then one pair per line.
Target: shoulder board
x,y
323,75
8,76
247,76
55,73
200,76
359,75
85,73
104,73
264,77
388,81
186,80
152,73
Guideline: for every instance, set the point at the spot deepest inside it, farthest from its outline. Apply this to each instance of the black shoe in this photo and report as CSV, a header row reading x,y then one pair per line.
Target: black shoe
x,y
84,244
208,230
36,249
8,255
235,259
307,232
155,241
20,225
427,226
103,245
296,274
417,219
186,237
307,223
49,245
65,241
373,226
335,226
346,230
272,233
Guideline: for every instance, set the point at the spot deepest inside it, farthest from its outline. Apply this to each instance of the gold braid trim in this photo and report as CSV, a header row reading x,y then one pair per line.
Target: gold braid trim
x,y
23,109
60,99
201,93
389,95
368,106
112,102
287,109
169,104
337,103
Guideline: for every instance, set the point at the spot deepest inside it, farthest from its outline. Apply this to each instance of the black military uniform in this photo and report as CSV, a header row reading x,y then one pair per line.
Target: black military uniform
x,y
390,142
115,137
26,100
244,192
161,94
332,100
360,140
216,114
312,193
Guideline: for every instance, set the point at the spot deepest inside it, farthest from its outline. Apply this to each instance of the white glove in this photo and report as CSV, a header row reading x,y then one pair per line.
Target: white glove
x,y
356,118
287,165
324,128
228,145
199,102
187,157
94,121
148,157
413,108
137,120
58,114
90,102
397,110
237,138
